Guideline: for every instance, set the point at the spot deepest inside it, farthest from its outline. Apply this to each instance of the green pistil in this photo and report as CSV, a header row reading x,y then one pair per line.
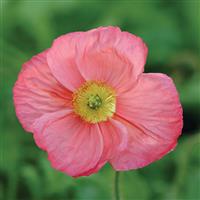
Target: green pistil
x,y
94,102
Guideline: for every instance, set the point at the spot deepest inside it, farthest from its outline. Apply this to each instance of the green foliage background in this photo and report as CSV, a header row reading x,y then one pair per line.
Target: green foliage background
x,y
171,31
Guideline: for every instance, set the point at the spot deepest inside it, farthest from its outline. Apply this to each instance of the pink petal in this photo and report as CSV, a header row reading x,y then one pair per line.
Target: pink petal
x,y
115,138
42,122
61,59
142,149
109,55
37,92
73,146
104,54
153,114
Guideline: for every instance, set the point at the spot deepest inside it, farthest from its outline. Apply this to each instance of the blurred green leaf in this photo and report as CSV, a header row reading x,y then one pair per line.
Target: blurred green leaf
x,y
190,92
33,181
54,182
134,186
187,179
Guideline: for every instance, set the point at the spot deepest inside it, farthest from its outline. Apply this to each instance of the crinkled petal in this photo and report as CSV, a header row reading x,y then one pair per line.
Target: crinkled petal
x,y
37,92
153,114
115,138
104,54
73,145
42,122
107,54
153,105
61,59
142,149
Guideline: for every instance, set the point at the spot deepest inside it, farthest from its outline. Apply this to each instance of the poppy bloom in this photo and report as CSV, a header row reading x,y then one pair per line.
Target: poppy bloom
x,y
87,102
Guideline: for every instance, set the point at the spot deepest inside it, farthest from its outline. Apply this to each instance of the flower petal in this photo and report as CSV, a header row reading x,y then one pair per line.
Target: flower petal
x,y
142,149
73,145
37,92
153,105
153,114
109,55
61,60
115,138
105,54
42,122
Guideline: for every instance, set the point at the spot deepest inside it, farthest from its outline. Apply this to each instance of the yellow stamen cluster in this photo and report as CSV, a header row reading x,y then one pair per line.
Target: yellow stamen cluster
x,y
94,101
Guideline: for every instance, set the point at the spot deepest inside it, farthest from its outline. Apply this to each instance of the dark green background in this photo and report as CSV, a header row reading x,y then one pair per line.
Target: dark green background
x,y
171,31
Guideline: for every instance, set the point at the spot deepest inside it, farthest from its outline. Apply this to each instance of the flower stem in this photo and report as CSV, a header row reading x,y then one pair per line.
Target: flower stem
x,y
117,196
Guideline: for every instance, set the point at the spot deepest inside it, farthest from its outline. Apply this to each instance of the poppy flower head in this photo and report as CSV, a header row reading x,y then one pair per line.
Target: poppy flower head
x,y
87,102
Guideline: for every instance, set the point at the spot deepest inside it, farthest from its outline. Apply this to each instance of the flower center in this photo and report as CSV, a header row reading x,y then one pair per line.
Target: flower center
x,y
94,101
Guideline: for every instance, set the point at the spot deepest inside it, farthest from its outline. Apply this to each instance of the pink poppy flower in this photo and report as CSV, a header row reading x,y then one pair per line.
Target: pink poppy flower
x,y
87,102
